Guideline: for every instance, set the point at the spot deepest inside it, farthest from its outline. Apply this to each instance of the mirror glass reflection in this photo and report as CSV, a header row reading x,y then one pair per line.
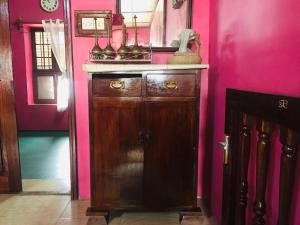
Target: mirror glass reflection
x,y
158,22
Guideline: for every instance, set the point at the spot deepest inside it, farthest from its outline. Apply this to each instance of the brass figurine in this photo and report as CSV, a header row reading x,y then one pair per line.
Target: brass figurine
x,y
109,52
136,50
96,51
123,51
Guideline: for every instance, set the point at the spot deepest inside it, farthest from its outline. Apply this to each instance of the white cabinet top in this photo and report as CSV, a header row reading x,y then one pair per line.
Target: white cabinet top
x,y
101,68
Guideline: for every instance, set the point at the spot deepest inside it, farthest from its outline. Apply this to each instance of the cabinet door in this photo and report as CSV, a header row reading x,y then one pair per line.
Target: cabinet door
x,y
170,144
117,163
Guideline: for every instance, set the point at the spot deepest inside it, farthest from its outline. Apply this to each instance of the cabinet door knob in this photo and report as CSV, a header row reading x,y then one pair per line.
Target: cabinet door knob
x,y
170,85
141,138
117,84
147,139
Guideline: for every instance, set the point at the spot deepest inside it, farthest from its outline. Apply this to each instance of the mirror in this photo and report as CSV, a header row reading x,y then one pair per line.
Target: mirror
x,y
159,22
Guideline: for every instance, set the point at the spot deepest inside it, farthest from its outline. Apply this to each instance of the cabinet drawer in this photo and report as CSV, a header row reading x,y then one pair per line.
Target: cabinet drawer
x,y
171,85
117,87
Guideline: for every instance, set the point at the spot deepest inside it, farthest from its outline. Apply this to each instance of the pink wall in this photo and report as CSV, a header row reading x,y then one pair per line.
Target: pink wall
x,y
80,55
31,117
254,46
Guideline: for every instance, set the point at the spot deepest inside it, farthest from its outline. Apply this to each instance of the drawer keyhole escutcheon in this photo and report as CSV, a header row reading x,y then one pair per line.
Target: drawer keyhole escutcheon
x,y
171,85
117,84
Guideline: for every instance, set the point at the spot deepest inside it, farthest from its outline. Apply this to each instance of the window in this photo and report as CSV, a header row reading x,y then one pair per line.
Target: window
x,y
144,10
45,70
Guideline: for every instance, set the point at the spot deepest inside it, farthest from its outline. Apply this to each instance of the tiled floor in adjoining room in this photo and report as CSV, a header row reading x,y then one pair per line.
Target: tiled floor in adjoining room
x,y
60,210
45,161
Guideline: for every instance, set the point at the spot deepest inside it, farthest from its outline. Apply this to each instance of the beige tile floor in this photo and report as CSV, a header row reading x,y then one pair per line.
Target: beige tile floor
x,y
59,210
46,185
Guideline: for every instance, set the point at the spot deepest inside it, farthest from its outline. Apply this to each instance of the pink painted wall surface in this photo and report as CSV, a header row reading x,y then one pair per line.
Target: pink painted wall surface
x,y
254,46
80,56
31,117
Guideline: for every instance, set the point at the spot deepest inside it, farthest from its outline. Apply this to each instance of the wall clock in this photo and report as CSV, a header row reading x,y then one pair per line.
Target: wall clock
x,y
49,5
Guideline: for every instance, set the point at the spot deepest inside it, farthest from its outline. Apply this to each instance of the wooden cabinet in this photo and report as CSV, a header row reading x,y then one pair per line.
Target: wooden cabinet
x,y
144,133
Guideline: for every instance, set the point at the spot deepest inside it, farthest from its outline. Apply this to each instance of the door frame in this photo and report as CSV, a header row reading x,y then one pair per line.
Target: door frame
x,y
71,108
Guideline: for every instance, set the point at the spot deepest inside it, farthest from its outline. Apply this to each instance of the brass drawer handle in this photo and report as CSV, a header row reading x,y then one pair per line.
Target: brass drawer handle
x,y
117,84
171,85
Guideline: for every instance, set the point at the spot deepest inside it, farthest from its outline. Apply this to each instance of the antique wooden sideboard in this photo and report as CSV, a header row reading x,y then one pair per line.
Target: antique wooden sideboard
x,y
144,137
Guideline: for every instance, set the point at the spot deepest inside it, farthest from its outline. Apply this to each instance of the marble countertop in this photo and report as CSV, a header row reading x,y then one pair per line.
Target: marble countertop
x,y
100,68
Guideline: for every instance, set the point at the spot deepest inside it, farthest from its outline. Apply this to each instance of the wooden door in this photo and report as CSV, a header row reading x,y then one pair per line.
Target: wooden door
x,y
117,153
246,111
170,153
10,177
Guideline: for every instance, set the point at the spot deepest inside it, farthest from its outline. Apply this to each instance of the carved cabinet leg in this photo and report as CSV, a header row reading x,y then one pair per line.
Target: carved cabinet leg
x,y
290,142
263,149
244,151
97,217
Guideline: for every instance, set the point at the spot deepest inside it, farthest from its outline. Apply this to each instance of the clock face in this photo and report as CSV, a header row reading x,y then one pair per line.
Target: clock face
x,y
49,5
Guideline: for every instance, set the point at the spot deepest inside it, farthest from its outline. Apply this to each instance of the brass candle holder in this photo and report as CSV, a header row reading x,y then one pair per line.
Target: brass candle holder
x,y
136,50
96,52
109,52
124,52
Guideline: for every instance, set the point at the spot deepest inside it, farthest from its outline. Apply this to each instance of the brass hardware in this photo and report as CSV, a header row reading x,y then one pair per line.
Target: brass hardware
x,y
283,104
225,145
171,84
117,84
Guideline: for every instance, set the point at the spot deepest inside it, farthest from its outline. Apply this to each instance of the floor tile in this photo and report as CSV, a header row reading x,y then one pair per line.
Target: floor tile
x,y
59,210
76,210
64,221
17,206
26,220
44,154
46,185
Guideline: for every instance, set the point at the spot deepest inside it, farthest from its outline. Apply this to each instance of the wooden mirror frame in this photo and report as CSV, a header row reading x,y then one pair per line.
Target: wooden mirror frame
x,y
188,26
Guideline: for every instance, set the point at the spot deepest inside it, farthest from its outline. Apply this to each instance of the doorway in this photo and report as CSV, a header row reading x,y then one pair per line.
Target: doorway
x,y
46,135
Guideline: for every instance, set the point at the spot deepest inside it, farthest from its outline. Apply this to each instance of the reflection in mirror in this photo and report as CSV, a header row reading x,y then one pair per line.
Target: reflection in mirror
x,y
159,23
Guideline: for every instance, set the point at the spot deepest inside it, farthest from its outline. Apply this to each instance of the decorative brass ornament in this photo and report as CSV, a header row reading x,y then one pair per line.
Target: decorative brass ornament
x,y
97,51
123,51
283,104
136,50
108,51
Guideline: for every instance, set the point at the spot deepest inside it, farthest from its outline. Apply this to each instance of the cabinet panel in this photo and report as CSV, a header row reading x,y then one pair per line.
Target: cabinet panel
x,y
170,142
179,85
117,155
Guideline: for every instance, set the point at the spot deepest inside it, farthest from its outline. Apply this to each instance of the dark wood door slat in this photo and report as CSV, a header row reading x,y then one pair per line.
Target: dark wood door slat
x,y
290,142
244,151
263,149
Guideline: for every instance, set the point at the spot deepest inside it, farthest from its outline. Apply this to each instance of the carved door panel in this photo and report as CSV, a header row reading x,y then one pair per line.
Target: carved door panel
x,y
118,160
170,142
